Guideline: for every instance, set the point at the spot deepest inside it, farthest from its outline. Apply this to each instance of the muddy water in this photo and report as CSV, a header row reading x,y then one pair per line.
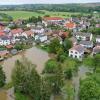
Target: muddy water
x,y
3,95
76,80
35,55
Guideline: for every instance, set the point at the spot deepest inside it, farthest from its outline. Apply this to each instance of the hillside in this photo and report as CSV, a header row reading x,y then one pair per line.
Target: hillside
x,y
88,7
91,4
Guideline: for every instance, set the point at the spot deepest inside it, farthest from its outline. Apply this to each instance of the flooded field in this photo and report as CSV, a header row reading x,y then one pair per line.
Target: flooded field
x,y
35,55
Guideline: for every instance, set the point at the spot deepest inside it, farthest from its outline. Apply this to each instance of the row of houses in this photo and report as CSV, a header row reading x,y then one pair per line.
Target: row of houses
x,y
41,32
82,44
82,41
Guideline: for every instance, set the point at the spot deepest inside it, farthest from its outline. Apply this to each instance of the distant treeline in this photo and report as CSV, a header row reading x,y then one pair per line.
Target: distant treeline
x,y
86,8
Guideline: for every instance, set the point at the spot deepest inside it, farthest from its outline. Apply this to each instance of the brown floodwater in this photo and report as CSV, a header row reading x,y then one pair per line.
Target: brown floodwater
x,y
3,95
35,55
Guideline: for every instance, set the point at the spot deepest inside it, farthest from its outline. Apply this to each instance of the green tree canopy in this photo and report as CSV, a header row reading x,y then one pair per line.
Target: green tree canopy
x,y
89,90
93,62
25,79
51,66
2,77
67,44
69,66
54,46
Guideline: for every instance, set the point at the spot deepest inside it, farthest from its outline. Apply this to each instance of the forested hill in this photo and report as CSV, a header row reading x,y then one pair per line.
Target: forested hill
x,y
88,7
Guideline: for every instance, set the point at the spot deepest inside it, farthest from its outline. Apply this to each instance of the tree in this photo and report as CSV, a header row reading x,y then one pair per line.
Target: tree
x,y
95,31
92,62
39,19
96,61
89,90
45,89
25,79
67,44
70,67
54,46
19,46
61,55
34,84
51,66
68,91
2,77
54,76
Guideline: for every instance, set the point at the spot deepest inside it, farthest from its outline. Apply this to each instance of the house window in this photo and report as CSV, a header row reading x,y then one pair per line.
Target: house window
x,y
71,55
75,52
71,51
75,56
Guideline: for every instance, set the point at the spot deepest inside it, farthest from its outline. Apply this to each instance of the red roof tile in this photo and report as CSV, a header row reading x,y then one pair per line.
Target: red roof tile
x,y
2,33
53,18
29,32
70,25
15,31
9,46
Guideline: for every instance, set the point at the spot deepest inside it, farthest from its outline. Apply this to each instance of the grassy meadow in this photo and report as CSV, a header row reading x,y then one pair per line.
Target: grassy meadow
x,y
27,14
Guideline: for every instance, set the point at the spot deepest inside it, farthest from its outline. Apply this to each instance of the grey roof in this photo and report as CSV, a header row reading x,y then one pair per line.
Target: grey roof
x,y
86,42
78,48
83,34
4,38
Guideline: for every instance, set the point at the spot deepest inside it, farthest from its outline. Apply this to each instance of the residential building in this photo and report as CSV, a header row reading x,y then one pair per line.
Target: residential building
x,y
38,30
5,40
16,32
28,33
70,25
98,39
41,37
96,50
86,44
83,36
77,51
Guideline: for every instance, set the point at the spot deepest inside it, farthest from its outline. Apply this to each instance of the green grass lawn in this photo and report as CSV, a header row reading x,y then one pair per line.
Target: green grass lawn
x,y
27,14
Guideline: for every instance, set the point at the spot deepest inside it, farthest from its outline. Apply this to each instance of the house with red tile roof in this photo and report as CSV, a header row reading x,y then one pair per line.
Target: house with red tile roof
x,y
9,46
28,33
70,25
77,51
16,32
52,20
